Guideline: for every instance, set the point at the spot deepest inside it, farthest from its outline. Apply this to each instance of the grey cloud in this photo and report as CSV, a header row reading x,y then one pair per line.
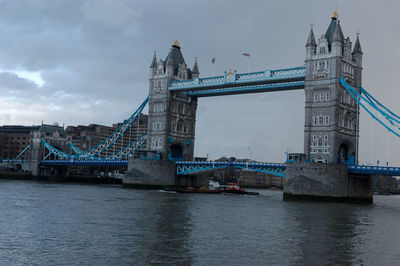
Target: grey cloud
x,y
12,83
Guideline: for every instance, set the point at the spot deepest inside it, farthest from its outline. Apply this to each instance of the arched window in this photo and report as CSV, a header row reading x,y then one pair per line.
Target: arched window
x,y
180,126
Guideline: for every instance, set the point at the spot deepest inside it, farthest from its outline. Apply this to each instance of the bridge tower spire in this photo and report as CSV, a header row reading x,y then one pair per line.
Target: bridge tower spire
x,y
331,115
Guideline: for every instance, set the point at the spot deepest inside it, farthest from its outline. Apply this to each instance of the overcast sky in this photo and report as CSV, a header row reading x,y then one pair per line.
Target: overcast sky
x,y
81,62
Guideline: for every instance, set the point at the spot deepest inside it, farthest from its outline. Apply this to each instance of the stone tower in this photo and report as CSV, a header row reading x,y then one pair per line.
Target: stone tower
x,y
331,114
172,115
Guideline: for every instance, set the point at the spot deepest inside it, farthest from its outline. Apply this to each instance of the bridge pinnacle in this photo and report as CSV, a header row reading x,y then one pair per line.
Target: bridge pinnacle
x,y
176,43
311,39
335,14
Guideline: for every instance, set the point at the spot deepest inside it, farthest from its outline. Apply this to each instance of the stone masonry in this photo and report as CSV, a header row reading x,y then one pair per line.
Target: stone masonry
x,y
331,114
172,115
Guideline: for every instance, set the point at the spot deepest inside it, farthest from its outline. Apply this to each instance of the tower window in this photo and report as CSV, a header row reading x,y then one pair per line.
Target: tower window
x,y
320,120
322,50
327,97
315,121
326,120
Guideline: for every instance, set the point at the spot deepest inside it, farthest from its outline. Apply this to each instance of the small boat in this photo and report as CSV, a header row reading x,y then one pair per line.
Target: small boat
x,y
236,189
213,185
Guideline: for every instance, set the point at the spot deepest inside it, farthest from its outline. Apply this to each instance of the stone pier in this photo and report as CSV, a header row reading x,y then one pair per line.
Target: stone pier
x,y
152,174
326,182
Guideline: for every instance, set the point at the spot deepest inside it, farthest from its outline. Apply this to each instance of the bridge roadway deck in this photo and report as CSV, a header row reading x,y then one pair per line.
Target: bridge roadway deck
x,y
187,167
264,81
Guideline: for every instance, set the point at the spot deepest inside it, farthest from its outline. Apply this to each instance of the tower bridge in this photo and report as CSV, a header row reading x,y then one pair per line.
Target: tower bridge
x,y
331,79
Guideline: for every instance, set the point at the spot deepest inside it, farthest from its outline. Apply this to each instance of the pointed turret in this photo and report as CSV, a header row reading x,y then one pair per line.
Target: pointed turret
x,y
195,71
311,39
170,66
357,47
357,53
153,66
154,61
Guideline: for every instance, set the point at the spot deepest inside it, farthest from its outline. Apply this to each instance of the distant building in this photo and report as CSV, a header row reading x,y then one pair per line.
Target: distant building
x,y
86,137
385,183
15,138
138,128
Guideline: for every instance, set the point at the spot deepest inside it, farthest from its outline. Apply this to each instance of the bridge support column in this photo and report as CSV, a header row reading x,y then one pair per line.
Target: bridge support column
x,y
326,182
157,174
34,154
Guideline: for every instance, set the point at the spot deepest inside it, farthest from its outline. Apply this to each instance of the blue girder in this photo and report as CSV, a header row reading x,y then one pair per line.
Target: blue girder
x,y
374,170
73,162
290,85
187,167
95,152
264,81
124,152
23,151
278,169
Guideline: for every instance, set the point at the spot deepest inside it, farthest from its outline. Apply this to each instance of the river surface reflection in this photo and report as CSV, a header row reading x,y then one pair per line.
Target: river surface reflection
x,y
64,224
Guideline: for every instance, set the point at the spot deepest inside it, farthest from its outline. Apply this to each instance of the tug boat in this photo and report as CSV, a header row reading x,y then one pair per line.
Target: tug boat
x,y
236,189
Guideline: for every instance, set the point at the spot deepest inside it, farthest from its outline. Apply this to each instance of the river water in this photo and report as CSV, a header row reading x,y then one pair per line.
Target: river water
x,y
71,224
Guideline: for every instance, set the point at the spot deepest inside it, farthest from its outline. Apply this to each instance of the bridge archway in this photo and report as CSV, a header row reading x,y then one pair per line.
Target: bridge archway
x,y
176,152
